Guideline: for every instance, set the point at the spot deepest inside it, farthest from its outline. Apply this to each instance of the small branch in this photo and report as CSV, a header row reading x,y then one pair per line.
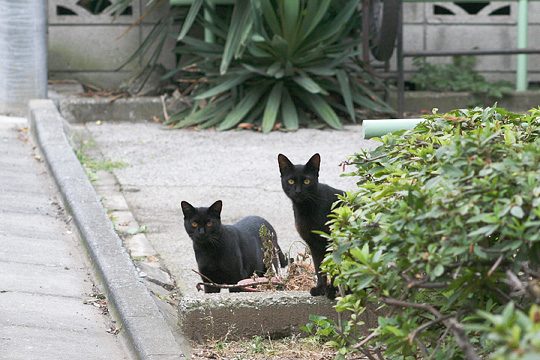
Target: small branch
x,y
423,348
514,281
451,323
424,326
366,340
427,307
462,340
439,342
379,354
165,113
347,163
202,275
495,266
368,354
422,284
249,284
222,286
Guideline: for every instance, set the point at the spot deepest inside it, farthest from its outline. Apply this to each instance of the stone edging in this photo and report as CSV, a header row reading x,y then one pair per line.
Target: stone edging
x,y
145,327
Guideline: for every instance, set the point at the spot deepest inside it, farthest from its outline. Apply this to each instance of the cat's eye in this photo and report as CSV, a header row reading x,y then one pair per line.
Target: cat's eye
x,y
194,224
209,224
290,181
307,181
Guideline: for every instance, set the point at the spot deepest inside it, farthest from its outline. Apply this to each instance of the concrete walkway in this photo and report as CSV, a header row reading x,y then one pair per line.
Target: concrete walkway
x,y
165,167
46,289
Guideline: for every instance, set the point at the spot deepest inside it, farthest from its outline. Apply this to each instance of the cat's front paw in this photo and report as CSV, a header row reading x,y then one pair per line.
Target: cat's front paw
x,y
317,291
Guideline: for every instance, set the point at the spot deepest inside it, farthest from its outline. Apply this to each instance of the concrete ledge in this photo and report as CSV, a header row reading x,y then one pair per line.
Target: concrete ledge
x,y
85,109
275,314
142,322
423,101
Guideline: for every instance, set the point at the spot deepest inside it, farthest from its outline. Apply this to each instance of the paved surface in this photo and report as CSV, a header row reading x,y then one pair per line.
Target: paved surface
x,y
238,167
44,280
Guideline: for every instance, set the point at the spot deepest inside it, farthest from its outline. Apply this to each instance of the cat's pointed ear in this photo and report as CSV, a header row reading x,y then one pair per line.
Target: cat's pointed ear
x,y
285,165
215,208
187,209
314,163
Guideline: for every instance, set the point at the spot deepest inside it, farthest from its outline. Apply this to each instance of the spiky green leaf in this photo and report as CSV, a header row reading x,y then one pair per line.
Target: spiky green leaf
x,y
190,18
289,115
272,107
343,81
319,106
239,31
244,106
223,86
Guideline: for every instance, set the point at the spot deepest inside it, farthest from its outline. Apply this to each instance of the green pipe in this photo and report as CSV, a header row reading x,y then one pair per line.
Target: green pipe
x,y
379,127
522,32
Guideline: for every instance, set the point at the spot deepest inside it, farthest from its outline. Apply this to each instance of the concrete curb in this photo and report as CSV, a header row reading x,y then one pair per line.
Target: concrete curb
x,y
275,314
144,325
80,109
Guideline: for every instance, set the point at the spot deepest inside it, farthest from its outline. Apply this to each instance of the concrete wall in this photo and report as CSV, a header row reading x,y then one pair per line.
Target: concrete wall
x,y
447,26
89,45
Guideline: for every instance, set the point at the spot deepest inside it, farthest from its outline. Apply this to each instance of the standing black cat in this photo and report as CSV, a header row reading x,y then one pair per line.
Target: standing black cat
x,y
226,254
312,202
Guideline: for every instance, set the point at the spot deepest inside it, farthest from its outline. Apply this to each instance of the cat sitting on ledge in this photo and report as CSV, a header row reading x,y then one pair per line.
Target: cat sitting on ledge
x,y
312,203
226,254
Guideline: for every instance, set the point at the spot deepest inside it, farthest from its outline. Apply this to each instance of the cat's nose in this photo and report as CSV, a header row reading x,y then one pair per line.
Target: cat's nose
x,y
201,230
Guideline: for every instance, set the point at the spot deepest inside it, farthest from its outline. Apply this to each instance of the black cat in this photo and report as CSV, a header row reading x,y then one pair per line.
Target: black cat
x,y
226,254
312,202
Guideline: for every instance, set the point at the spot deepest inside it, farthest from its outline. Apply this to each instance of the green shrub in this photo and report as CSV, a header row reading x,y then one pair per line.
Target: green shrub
x,y
289,61
460,75
443,232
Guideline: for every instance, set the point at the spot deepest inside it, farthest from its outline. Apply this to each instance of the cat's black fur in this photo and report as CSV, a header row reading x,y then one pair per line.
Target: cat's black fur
x,y
312,202
226,254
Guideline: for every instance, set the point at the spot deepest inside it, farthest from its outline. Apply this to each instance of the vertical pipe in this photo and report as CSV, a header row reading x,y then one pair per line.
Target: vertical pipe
x,y
365,31
522,29
400,66
23,54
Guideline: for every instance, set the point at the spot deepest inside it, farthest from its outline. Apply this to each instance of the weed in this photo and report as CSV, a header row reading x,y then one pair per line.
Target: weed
x,y
460,75
92,165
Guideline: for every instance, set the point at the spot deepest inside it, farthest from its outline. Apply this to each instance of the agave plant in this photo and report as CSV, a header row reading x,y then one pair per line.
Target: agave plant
x,y
289,61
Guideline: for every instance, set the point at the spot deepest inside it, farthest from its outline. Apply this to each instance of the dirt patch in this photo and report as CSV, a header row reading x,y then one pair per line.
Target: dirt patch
x,y
259,348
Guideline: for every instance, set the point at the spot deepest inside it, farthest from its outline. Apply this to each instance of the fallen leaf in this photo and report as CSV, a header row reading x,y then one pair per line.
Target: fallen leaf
x,y
246,126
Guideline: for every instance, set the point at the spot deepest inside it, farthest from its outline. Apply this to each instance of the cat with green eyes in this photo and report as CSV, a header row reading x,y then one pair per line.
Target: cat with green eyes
x,y
312,203
227,254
